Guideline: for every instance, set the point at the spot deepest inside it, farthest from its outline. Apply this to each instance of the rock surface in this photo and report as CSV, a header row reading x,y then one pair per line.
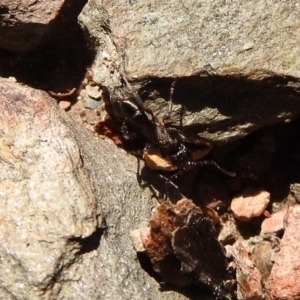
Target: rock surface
x,y
58,181
263,255
285,274
248,276
231,37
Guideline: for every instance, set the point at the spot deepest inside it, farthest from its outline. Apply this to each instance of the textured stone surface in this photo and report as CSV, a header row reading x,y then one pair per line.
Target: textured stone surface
x,y
248,277
180,38
95,19
228,232
64,104
285,274
58,181
46,198
263,253
249,204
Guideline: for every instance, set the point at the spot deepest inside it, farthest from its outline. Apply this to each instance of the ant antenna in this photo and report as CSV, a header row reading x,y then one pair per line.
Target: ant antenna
x,y
170,106
212,163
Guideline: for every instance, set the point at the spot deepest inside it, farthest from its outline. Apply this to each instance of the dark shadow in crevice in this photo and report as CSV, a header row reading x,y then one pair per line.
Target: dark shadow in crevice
x,y
267,159
264,154
241,100
89,243
61,61
192,292
159,184
147,266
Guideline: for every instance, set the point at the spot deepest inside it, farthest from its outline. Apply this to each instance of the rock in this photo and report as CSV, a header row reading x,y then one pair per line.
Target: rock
x,y
295,190
139,237
183,248
263,255
228,233
248,277
92,103
249,204
46,46
92,96
94,92
283,279
95,20
64,104
228,36
58,181
228,85
27,25
274,223
48,204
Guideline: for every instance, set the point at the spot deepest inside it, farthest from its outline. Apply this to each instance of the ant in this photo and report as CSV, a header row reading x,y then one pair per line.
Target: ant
x,y
170,142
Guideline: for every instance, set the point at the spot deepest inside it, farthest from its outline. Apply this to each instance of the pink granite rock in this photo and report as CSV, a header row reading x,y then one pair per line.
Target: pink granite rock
x,y
285,274
64,104
274,223
248,277
250,204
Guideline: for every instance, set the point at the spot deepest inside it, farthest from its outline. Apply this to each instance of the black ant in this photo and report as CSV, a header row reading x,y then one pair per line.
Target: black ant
x,y
171,143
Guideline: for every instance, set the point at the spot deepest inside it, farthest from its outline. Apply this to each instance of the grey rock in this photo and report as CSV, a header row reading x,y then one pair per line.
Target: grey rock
x,y
166,39
91,103
92,96
95,20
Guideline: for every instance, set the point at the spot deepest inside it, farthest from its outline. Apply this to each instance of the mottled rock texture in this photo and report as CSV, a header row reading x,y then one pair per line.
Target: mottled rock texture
x,y
247,275
285,274
69,200
181,38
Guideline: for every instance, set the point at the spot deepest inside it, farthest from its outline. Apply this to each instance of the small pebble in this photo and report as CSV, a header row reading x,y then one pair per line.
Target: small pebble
x,y
250,204
64,104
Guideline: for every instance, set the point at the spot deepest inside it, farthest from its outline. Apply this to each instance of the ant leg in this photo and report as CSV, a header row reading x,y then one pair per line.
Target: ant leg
x,y
170,106
212,163
170,191
137,98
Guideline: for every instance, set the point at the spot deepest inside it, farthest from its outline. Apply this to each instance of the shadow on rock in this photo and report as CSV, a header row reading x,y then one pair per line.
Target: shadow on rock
x,y
60,64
